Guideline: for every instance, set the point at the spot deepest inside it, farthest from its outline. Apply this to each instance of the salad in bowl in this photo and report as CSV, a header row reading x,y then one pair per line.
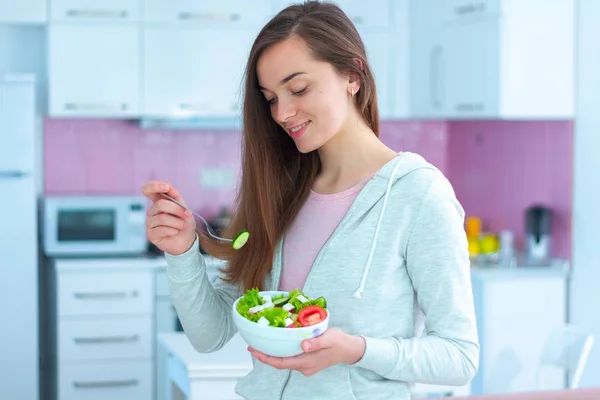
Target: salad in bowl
x,y
276,322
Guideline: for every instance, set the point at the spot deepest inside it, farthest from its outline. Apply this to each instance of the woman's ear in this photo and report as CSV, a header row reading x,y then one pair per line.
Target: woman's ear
x,y
354,78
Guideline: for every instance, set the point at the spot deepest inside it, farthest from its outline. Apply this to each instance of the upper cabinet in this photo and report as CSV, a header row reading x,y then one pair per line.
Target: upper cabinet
x,y
94,58
23,11
93,71
94,11
220,14
194,56
492,59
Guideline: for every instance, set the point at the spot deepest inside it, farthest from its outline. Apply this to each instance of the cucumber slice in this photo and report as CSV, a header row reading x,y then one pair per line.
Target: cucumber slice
x,y
240,240
281,301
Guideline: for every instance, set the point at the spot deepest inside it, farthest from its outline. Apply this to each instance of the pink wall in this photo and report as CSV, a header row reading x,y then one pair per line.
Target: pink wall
x,y
108,156
498,169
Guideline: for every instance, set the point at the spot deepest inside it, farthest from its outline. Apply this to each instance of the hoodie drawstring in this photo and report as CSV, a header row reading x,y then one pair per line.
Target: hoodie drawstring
x,y
361,288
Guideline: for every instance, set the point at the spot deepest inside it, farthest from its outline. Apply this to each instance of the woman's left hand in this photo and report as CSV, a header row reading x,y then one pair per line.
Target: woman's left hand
x,y
332,347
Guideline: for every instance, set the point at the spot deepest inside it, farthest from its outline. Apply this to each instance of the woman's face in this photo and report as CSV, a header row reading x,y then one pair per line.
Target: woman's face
x,y
308,98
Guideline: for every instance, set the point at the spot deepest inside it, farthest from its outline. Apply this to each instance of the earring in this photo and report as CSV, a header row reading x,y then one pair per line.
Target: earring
x,y
352,91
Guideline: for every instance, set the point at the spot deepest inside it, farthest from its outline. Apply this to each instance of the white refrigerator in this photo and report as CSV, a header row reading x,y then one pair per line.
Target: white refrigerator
x,y
19,349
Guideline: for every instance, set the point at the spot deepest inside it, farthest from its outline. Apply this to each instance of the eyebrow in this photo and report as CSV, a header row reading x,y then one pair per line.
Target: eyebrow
x,y
286,79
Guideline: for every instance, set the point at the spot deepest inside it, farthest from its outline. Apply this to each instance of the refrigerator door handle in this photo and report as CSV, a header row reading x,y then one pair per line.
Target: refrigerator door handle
x,y
13,174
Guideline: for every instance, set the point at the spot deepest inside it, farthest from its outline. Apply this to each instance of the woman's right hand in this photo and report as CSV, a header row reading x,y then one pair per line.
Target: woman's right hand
x,y
169,226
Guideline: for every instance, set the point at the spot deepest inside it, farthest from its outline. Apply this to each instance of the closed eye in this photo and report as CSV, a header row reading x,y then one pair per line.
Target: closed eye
x,y
300,92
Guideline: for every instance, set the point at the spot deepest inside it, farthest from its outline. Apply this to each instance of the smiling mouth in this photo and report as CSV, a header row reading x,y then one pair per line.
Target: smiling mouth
x,y
299,127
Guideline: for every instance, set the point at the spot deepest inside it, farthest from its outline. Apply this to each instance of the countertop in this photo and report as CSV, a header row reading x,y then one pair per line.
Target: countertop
x,y
556,268
233,360
575,394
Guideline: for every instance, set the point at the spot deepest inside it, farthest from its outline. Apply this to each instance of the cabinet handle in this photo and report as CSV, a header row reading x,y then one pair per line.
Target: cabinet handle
x,y
192,16
105,295
119,14
467,107
105,384
470,8
95,106
102,340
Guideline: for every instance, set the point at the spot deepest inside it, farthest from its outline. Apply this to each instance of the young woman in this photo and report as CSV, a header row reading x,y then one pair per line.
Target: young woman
x,y
336,213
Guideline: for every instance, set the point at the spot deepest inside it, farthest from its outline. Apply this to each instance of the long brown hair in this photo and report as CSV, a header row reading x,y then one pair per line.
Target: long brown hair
x,y
276,177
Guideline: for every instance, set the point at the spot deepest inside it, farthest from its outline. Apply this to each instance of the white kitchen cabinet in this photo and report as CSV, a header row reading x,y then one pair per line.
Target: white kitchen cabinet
x,y
377,45
94,11
193,13
426,58
23,11
94,71
516,310
472,70
183,77
492,59
103,328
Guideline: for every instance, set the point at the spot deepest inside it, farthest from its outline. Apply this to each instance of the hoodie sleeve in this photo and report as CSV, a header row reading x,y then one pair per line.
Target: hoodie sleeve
x,y
437,260
204,308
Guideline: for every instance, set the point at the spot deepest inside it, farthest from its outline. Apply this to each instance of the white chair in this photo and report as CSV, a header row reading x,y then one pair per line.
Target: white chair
x,y
568,348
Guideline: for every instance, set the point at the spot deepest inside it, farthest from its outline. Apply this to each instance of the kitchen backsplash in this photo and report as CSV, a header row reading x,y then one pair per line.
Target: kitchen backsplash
x,y
497,168
118,157
500,168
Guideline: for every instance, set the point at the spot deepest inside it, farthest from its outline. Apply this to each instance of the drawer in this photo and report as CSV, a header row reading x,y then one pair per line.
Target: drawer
x,y
102,381
366,15
98,293
208,13
113,11
470,10
105,338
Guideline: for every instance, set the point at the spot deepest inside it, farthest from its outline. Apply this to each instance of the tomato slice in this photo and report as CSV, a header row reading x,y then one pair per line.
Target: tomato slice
x,y
311,315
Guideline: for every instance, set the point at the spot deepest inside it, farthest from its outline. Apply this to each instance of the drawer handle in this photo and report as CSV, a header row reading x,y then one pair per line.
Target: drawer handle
x,y
105,295
97,13
191,16
470,107
470,8
101,340
105,384
96,107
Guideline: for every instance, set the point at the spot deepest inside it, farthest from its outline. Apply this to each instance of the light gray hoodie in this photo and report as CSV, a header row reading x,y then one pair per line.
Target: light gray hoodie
x,y
395,271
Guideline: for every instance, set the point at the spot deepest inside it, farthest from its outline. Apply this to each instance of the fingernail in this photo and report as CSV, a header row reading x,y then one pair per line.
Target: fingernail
x,y
188,213
307,346
164,187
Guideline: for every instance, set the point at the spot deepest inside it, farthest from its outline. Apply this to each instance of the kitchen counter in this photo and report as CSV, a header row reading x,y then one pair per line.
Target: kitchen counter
x,y
574,394
142,262
557,268
198,376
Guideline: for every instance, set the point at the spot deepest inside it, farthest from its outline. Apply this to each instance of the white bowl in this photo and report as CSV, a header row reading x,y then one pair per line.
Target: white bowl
x,y
276,341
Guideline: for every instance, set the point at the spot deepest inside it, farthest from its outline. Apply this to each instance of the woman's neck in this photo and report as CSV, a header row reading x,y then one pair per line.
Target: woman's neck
x,y
349,157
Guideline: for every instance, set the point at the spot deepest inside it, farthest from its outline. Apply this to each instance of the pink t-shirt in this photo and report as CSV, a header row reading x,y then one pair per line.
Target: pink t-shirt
x,y
311,229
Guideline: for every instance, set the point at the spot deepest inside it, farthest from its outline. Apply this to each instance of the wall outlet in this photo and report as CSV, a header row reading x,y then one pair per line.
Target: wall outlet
x,y
217,178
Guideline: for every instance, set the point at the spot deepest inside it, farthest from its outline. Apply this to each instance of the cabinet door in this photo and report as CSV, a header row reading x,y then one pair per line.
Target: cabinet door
x,y
378,55
472,70
427,59
23,11
470,10
367,15
207,13
114,380
182,77
112,11
94,71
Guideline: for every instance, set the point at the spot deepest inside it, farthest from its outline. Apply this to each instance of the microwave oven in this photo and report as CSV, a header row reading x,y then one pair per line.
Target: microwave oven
x,y
94,225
